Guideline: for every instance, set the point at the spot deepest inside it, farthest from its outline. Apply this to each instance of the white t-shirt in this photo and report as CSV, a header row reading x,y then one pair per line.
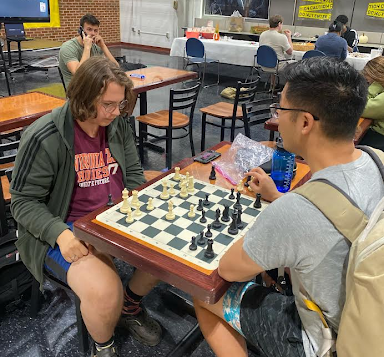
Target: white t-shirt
x,y
291,232
277,41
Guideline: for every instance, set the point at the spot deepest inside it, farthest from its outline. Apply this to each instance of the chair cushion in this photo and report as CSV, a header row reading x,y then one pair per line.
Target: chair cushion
x,y
222,110
160,119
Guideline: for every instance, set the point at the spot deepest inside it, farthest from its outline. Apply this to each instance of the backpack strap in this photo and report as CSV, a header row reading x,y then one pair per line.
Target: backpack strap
x,y
376,155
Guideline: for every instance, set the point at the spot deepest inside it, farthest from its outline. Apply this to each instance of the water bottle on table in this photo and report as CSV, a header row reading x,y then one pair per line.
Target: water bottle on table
x,y
282,167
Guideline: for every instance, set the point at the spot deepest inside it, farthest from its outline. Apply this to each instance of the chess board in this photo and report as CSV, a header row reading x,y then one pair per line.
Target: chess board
x,y
174,237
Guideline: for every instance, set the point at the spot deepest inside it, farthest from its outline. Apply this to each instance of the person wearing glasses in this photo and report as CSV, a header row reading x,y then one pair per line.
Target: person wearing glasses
x,y
67,165
318,114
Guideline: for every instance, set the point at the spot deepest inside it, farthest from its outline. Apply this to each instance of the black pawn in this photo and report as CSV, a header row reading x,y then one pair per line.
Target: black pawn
x,y
233,230
225,216
232,196
209,251
203,219
237,205
110,201
206,202
201,240
200,206
246,184
216,223
212,176
257,203
208,233
193,245
240,223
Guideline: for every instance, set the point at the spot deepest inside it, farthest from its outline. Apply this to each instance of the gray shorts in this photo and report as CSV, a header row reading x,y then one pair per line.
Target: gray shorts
x,y
273,325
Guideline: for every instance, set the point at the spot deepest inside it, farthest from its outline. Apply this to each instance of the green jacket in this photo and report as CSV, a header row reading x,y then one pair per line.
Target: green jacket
x,y
44,177
375,107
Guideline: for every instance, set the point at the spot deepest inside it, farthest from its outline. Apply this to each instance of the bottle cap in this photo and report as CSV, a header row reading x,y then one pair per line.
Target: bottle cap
x,y
279,144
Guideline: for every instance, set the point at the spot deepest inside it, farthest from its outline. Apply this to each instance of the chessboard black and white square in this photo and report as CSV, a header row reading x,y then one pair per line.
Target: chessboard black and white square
x,y
174,236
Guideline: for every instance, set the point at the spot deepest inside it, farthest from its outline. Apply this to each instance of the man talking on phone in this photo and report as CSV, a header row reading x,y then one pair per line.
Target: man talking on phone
x,y
77,50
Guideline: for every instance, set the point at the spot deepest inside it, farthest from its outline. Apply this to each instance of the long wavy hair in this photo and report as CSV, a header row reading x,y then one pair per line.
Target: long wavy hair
x,y
374,70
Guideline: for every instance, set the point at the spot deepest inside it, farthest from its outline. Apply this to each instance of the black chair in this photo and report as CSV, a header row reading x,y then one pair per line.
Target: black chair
x,y
3,67
245,92
170,120
62,78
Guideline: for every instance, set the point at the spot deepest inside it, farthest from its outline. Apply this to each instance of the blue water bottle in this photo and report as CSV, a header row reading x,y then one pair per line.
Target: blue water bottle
x,y
282,167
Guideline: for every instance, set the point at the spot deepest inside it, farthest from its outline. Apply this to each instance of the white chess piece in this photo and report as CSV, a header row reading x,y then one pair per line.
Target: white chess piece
x,y
170,215
191,212
171,189
137,210
240,186
129,218
191,187
125,205
184,192
164,195
135,198
177,176
187,176
150,206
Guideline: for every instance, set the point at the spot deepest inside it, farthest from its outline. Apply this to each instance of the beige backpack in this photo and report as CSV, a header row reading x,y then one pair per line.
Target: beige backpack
x,y
362,321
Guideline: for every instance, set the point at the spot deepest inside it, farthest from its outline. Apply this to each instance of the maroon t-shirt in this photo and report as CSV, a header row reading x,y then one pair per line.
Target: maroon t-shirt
x,y
97,174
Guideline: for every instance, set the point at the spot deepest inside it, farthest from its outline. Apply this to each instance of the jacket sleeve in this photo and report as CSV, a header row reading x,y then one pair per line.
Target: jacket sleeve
x,y
344,52
134,170
375,105
33,176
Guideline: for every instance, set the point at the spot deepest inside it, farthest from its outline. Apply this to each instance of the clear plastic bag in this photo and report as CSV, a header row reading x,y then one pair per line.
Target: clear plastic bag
x,y
245,154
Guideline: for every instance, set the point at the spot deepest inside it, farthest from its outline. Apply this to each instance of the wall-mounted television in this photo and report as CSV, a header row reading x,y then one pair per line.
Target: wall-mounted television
x,y
19,11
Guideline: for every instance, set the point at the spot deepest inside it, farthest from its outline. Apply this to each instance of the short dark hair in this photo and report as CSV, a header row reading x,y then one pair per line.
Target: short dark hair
x,y
336,26
342,18
275,20
89,19
330,89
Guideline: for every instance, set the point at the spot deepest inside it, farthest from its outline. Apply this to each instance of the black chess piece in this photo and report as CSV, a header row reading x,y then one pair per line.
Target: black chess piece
x,y
110,201
225,216
257,203
212,176
208,233
233,230
193,245
203,219
216,223
237,205
200,206
246,183
240,223
206,201
201,240
232,196
209,251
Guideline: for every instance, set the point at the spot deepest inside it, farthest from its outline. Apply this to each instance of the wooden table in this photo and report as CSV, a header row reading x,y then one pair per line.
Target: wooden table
x,y
21,110
208,288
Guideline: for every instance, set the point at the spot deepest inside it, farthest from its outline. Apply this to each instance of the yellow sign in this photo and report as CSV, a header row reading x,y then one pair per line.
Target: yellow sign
x,y
322,1
314,15
316,7
376,6
55,17
375,13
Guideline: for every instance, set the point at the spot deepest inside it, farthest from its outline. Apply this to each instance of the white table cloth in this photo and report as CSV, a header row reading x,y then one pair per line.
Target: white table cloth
x,y
242,53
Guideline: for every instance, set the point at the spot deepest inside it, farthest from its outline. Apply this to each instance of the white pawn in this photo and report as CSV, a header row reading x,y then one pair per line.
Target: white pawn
x,y
150,206
177,176
171,189
170,215
240,186
191,187
191,212
137,211
164,195
183,192
182,179
125,205
129,218
187,176
135,198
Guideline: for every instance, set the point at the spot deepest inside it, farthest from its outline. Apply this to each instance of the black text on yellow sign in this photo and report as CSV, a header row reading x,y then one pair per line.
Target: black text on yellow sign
x,y
314,15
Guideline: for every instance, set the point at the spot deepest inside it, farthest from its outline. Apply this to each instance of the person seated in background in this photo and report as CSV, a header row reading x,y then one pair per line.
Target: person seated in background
x,y
67,165
332,44
348,34
320,106
77,50
374,74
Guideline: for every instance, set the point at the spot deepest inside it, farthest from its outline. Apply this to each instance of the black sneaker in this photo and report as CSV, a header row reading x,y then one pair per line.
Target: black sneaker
x,y
106,352
142,327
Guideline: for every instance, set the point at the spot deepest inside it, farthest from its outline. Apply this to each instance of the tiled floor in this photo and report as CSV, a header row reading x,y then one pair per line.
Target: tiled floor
x,y
53,332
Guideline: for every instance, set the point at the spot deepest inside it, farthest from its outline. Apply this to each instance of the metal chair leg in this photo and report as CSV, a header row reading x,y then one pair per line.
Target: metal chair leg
x,y
168,149
81,328
203,127
141,142
222,129
191,141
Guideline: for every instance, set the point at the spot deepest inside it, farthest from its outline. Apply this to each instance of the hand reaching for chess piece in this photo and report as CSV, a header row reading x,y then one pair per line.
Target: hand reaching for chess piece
x,y
263,184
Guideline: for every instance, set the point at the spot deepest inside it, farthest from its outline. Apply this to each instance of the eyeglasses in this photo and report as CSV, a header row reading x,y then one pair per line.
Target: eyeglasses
x,y
110,108
276,106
